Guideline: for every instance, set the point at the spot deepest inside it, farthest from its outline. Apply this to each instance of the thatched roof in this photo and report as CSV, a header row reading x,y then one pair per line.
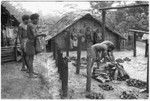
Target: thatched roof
x,y
69,19
7,17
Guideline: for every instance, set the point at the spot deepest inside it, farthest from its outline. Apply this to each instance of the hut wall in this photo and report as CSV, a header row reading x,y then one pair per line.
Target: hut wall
x,y
61,40
79,29
112,37
83,23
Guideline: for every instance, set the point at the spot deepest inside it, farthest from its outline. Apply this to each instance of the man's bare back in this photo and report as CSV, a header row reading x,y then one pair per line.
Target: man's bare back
x,y
104,48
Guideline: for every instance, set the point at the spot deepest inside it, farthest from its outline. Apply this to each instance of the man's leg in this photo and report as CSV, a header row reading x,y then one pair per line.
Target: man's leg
x,y
23,62
31,71
98,59
29,61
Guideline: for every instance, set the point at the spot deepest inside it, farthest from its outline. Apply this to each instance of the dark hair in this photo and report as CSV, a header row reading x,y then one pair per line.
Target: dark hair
x,y
111,46
34,16
25,17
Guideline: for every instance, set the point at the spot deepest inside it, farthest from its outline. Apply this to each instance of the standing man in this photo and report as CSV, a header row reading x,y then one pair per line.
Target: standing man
x,y
22,34
32,30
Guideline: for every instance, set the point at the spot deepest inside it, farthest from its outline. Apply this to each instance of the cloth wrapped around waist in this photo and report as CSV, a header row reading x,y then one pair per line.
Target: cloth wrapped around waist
x,y
30,47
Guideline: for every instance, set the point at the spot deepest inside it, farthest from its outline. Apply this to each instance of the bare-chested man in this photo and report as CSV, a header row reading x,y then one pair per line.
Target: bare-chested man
x,y
101,51
22,33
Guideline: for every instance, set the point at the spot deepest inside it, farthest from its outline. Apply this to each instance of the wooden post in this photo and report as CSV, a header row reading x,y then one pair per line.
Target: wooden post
x,y
148,73
88,82
119,43
54,49
63,73
56,55
59,59
68,44
134,50
146,48
78,55
15,49
65,78
2,38
103,24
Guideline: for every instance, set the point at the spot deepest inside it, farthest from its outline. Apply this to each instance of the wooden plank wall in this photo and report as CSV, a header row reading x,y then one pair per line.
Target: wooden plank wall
x,y
7,54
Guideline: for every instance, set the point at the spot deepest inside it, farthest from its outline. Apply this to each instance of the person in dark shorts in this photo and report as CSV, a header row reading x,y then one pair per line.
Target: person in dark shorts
x,y
32,34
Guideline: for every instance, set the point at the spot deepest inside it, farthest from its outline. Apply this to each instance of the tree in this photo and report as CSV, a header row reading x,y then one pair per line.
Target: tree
x,y
124,19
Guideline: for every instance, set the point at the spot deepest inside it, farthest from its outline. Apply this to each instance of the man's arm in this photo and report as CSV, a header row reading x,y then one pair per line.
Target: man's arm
x,y
19,33
43,35
111,56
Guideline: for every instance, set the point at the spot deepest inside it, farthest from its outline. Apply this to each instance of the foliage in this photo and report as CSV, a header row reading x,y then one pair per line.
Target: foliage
x,y
124,19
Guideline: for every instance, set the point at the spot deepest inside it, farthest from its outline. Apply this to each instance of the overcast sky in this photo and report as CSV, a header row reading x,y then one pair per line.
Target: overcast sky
x,y
55,8
52,8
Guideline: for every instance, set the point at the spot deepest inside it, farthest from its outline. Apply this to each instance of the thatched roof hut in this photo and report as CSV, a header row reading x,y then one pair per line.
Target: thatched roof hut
x,y
73,22
7,19
70,18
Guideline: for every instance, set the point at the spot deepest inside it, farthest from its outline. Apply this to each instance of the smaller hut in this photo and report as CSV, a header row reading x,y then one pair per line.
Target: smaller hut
x,y
9,25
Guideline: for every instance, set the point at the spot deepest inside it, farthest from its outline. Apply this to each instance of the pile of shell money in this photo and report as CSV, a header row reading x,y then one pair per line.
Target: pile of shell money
x,y
128,95
106,87
127,59
136,83
100,76
119,60
94,95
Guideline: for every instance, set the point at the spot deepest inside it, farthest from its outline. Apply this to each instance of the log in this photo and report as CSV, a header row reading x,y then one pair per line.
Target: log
x,y
6,55
130,6
103,25
7,59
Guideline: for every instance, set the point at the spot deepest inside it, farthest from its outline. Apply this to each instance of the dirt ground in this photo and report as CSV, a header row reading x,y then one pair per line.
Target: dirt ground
x,y
16,85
